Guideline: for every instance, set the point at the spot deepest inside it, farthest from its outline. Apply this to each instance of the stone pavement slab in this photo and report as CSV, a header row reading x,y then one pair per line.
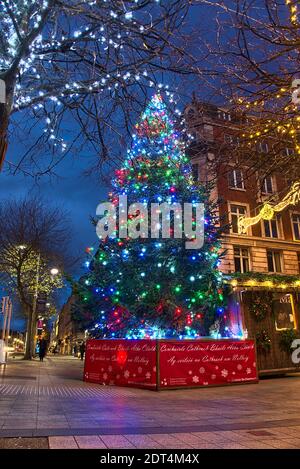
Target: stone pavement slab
x,y
90,442
116,441
62,442
50,399
24,443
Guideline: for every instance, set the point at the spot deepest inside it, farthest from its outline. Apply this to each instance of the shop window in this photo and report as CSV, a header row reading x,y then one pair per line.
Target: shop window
x,y
241,259
284,311
274,261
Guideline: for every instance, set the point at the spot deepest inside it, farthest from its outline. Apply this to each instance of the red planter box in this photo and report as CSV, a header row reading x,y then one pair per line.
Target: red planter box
x,y
169,364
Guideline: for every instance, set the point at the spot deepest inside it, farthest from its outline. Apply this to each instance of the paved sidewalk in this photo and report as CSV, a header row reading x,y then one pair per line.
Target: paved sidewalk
x,y
50,400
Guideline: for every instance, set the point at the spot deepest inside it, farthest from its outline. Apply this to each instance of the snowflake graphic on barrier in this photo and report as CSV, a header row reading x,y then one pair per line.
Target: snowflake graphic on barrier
x,y
195,379
224,373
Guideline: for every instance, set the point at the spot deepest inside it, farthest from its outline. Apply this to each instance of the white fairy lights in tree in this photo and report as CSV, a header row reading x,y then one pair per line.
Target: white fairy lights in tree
x,y
85,62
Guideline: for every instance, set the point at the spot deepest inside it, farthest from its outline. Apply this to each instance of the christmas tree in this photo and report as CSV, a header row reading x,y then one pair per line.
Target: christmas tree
x,y
138,286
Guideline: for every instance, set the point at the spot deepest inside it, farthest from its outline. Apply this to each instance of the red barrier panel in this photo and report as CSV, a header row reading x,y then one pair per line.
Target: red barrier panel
x,y
165,364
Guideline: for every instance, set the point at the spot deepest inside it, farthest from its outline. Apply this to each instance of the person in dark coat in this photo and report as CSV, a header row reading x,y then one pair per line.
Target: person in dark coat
x,y
42,349
82,350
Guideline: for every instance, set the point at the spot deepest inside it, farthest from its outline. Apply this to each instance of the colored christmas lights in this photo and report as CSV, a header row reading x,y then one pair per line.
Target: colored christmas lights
x,y
145,288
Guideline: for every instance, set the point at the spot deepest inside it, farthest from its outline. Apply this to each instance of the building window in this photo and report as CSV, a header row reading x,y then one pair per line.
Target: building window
x,y
263,147
241,259
267,185
274,261
298,258
195,172
224,115
289,152
235,179
236,211
191,113
231,139
296,225
271,228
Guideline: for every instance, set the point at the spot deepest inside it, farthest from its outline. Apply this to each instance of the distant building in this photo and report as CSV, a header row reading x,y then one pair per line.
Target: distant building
x,y
68,334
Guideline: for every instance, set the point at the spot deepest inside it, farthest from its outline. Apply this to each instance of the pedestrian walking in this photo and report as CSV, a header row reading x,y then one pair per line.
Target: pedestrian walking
x,y
75,350
82,350
42,349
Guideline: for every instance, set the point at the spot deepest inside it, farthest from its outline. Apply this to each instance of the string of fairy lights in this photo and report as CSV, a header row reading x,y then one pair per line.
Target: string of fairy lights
x,y
47,95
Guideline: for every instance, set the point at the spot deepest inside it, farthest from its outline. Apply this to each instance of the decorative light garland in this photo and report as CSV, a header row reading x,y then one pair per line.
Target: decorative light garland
x,y
293,8
268,211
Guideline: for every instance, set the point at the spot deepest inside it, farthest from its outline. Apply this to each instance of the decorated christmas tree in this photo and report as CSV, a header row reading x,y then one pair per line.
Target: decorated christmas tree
x,y
141,286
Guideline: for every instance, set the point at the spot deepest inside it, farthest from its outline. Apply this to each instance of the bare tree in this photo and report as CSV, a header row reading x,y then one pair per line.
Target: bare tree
x,y
33,240
76,71
254,61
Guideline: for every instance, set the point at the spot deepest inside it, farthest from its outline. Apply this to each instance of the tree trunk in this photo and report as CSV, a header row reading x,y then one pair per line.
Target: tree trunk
x,y
29,337
8,83
3,132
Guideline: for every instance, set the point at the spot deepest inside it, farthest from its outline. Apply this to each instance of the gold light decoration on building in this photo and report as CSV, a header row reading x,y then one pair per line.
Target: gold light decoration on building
x,y
293,8
268,211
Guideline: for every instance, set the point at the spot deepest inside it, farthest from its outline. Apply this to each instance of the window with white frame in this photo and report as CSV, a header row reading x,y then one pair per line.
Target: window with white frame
x,y
236,211
224,115
271,228
231,139
274,261
241,259
262,147
267,185
195,171
235,179
289,151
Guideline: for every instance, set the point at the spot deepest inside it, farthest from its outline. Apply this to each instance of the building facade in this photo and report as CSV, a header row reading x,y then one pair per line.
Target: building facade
x,y
262,263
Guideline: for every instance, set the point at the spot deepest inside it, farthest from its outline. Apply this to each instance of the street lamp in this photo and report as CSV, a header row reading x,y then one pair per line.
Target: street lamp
x,y
54,271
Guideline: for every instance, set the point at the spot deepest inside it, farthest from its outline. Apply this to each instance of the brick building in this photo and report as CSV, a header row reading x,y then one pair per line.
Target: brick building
x,y
267,254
